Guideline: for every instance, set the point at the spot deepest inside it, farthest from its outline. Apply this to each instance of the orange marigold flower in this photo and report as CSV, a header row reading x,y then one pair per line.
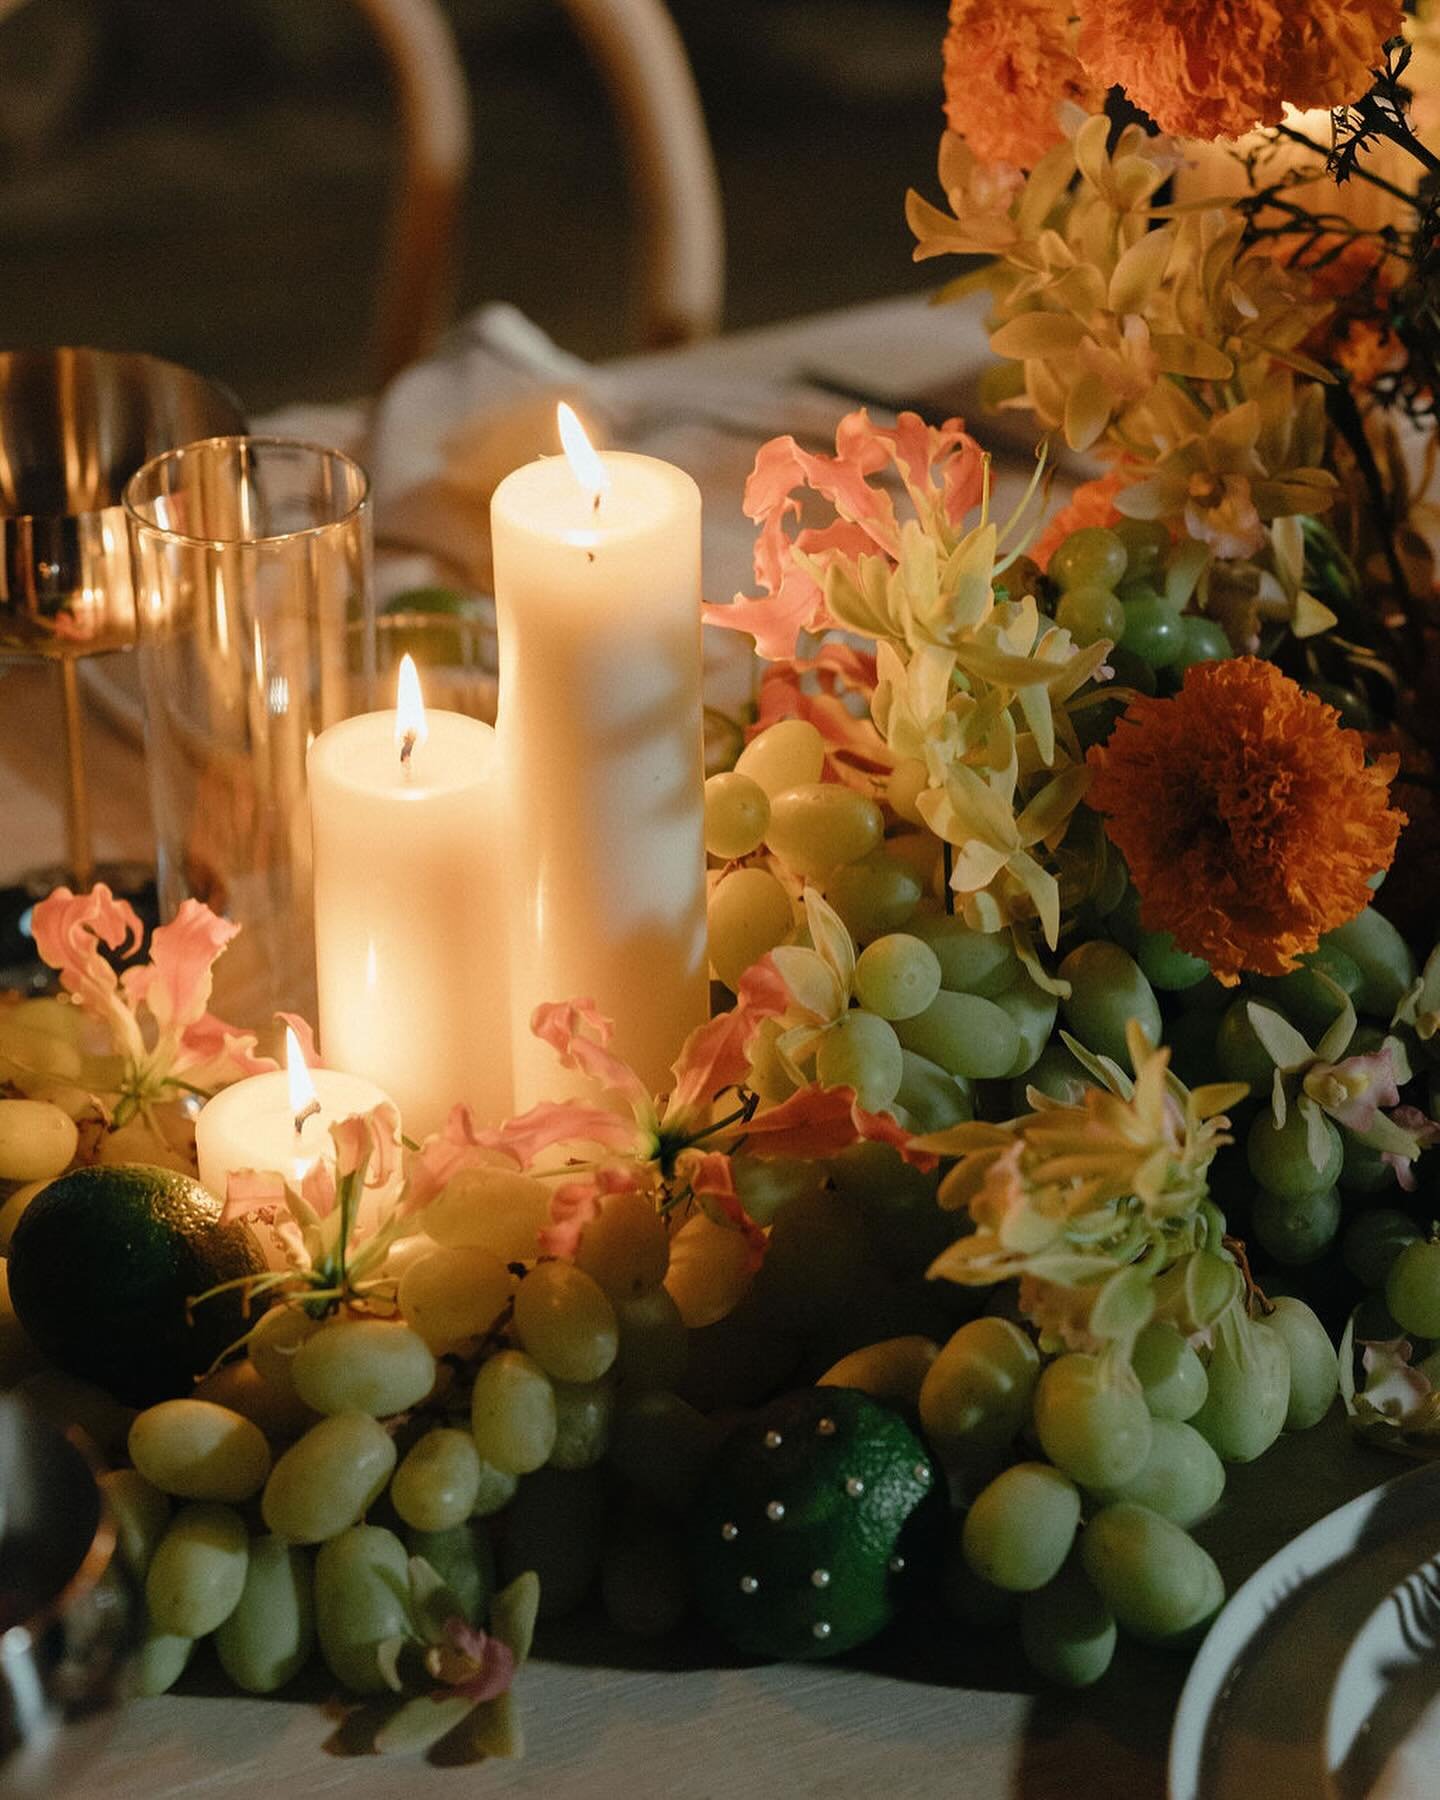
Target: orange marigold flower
x,y
1216,68
1008,65
1246,813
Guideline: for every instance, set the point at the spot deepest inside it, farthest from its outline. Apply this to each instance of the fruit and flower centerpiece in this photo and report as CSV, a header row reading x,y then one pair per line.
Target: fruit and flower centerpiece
x,y
1062,1132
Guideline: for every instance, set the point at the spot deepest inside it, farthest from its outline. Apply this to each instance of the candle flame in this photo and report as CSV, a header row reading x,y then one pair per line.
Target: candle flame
x,y
303,1098
580,453
411,725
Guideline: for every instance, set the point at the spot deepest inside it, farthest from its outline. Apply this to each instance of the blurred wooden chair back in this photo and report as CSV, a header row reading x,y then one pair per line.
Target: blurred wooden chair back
x,y
642,61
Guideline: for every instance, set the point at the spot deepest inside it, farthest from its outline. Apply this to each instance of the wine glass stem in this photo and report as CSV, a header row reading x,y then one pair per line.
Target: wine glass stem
x,y
77,815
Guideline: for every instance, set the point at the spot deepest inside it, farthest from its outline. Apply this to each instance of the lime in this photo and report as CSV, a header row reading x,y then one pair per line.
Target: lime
x,y
813,1519
102,1265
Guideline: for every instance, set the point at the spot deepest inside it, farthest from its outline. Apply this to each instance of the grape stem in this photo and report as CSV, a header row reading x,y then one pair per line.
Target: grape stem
x,y
1255,1296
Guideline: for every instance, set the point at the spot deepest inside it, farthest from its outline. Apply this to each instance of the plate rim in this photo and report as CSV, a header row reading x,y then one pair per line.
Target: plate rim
x,y
1248,1607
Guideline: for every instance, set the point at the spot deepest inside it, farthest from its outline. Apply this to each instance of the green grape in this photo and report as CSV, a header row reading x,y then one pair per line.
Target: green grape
x,y
1092,1421
905,1228
815,1260
325,1480
1107,991
1166,967
363,1365
1201,640
583,1413
1019,1529
1056,1074
269,1636
1314,1365
464,1559
965,1034
879,893
861,1051
496,1491
271,1346
197,1573
1279,1155
892,1370
1249,1390
971,962
662,1445
1374,1322
438,1481
769,1077
626,1250
816,827
555,1528
1304,997
362,1592
748,914
1240,1054
1354,710
37,1140
1363,1170
1412,1289
512,1413
932,1096
1372,1241
710,1270
159,1664
1182,1478
1091,613
766,1183
240,1387
1146,544
1160,1585
1170,1374
1032,1012
1123,920
448,1296
906,782
199,1451
140,1512
977,1393
40,1055
1091,557
1154,629
737,812
785,755
645,1586
498,1208
654,1344
565,1321
1386,965
897,976
1067,1630
1296,1228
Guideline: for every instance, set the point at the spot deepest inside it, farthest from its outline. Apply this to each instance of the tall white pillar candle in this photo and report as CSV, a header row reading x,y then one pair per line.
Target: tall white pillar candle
x,y
410,911
597,594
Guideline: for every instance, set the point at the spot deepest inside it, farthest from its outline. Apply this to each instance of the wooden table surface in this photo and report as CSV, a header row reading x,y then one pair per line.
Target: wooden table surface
x,y
611,1721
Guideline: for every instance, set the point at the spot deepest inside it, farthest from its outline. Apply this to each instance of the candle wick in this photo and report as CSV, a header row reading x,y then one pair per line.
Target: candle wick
x,y
407,748
307,1112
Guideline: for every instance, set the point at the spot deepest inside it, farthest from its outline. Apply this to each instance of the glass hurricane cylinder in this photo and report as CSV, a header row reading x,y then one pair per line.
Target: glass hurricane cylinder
x,y
252,567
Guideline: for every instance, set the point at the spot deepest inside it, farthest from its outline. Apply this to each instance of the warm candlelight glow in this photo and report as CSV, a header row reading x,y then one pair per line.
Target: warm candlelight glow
x,y
303,1098
580,453
411,727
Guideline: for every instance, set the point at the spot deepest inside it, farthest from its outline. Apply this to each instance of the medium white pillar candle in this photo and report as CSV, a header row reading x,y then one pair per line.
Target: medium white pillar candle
x,y
597,596
277,1123
410,911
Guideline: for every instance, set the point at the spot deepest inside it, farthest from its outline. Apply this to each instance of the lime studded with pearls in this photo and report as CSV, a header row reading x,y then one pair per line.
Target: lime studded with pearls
x,y
815,1515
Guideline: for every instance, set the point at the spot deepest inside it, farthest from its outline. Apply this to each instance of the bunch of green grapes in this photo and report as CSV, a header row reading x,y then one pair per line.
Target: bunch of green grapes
x,y
1077,1480
1124,583
481,1427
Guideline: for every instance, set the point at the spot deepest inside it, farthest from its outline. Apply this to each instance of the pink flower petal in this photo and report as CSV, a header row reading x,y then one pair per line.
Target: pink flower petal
x,y
175,983
575,1204
580,1035
69,930
493,1658
712,1180
248,1191
551,1122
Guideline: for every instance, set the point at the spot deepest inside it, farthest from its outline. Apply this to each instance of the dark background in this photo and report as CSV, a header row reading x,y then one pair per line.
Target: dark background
x,y
207,179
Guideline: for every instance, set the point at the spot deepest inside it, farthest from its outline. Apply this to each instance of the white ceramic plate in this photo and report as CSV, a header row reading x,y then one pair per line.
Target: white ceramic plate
x,y
1317,1671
